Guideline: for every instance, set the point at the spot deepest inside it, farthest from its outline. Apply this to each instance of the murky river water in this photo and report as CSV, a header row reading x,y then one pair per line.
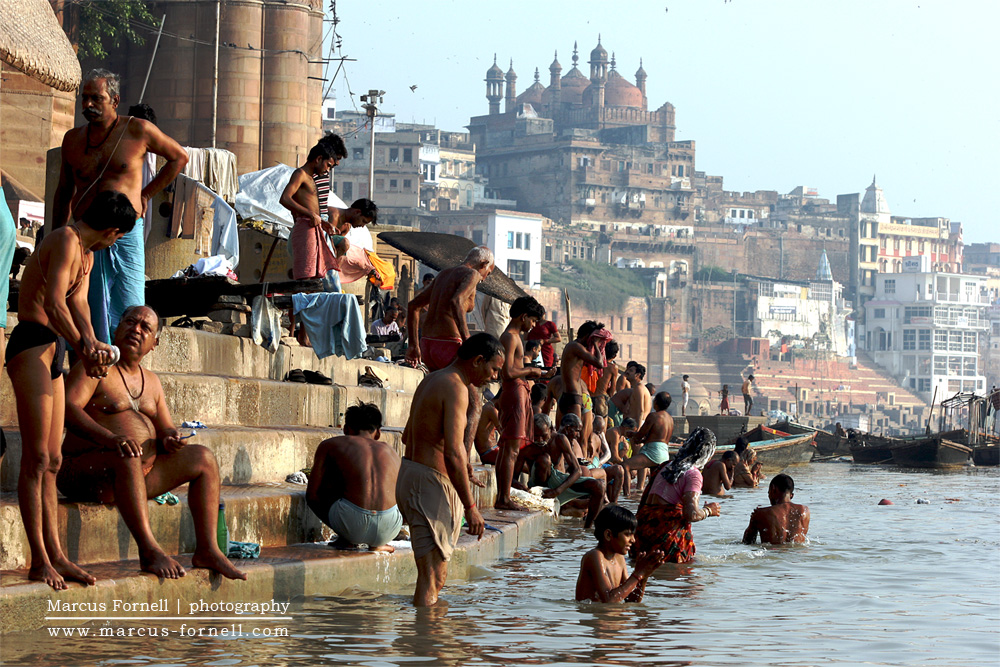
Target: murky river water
x,y
910,584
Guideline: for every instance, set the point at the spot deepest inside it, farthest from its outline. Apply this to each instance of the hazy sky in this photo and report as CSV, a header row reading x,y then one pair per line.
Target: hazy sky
x,y
774,93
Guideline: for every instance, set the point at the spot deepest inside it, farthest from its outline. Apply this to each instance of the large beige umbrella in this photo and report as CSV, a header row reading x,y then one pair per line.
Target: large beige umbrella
x,y
32,41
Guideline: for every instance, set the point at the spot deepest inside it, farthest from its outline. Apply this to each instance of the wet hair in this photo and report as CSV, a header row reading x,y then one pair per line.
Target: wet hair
x,y
628,422
482,345
751,377
685,377
533,344
615,518
112,81
661,401
696,451
783,483
428,276
367,208
131,309
542,420
570,419
110,210
527,305
611,350
320,150
741,445
630,364
587,328
336,144
143,111
538,393
480,255
363,418
640,371
730,455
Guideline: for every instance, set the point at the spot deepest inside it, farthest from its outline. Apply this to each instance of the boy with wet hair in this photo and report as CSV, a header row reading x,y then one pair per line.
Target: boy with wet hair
x,y
604,575
784,521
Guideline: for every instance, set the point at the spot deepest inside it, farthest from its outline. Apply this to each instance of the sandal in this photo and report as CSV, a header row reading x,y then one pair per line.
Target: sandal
x,y
313,377
184,323
296,375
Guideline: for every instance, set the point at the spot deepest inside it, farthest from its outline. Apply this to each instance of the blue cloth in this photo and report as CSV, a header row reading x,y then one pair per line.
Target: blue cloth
x,y
117,282
360,526
333,322
225,233
7,244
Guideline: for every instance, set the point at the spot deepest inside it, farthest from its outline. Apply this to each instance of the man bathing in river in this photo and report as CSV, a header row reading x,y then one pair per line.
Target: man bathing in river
x,y
122,447
784,521
434,485
352,486
653,435
718,474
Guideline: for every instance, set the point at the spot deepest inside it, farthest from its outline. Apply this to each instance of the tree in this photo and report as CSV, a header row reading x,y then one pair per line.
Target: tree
x,y
103,24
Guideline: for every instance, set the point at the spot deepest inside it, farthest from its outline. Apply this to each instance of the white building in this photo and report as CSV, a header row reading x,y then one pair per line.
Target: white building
x,y
925,329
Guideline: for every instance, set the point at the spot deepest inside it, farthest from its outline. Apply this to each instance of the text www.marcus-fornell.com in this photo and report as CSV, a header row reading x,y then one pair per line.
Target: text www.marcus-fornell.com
x,y
112,631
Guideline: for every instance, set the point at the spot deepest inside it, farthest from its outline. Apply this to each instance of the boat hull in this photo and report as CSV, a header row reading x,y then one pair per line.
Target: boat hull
x,y
986,455
931,453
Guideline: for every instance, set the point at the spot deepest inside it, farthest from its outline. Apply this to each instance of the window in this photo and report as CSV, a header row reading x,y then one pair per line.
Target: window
x,y
909,339
380,184
527,241
630,352
477,236
517,269
889,286
359,154
924,385
628,325
407,185
621,165
924,339
510,239
393,155
393,184
348,191
879,314
548,253
408,155
517,242
331,113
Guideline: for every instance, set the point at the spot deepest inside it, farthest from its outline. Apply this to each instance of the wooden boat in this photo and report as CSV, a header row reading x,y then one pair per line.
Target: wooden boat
x,y
775,449
827,444
986,455
870,448
932,452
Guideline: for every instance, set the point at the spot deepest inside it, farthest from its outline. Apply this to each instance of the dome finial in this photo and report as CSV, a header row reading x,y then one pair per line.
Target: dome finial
x,y
612,60
536,75
576,57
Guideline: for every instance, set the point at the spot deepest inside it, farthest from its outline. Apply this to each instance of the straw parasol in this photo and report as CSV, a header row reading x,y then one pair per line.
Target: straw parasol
x,y
443,251
32,41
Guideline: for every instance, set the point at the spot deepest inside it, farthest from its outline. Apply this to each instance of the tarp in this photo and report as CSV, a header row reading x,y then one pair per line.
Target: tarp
x,y
259,198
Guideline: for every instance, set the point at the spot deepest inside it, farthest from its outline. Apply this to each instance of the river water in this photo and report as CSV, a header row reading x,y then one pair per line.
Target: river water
x,y
908,584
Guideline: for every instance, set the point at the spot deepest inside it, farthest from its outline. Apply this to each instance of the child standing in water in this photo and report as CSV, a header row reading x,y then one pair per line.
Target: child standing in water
x,y
604,575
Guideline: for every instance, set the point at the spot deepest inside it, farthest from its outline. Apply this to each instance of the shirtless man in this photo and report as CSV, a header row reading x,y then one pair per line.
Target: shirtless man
x,y
575,355
653,435
515,401
639,400
451,296
784,521
717,476
601,466
486,434
434,485
53,313
556,466
122,447
618,440
607,380
352,486
108,154
310,255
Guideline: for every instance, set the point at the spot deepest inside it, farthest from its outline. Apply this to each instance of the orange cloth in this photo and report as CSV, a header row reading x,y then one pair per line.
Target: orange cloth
x,y
590,376
386,271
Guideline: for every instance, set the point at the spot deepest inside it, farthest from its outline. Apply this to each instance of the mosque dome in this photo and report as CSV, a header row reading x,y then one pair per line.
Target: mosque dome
x,y
494,72
533,94
599,54
572,87
618,92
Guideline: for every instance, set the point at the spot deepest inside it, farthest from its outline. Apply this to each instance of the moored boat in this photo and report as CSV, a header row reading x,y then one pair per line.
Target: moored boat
x,y
986,455
932,452
775,449
827,444
870,448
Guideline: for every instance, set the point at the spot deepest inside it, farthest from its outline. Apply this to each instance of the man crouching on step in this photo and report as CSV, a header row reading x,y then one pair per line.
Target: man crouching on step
x,y
121,446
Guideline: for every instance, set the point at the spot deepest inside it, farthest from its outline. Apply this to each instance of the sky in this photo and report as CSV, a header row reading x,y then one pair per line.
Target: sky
x,y
775,93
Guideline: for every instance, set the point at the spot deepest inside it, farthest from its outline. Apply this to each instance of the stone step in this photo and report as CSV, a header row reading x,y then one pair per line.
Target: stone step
x,y
246,455
281,574
269,514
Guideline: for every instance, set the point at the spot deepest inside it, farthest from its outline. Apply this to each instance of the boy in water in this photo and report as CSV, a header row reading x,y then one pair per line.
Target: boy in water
x,y
604,575
784,521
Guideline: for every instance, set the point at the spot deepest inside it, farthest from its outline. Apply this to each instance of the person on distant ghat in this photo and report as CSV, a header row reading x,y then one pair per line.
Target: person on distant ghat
x,y
654,436
747,398
108,154
352,486
532,353
53,313
783,522
603,574
724,403
669,504
387,324
122,447
434,486
311,257
547,332
685,394
451,295
515,400
718,474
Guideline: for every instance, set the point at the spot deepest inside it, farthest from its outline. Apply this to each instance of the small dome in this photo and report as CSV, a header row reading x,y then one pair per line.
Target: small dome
x,y
555,66
640,73
599,54
572,87
620,93
494,72
533,95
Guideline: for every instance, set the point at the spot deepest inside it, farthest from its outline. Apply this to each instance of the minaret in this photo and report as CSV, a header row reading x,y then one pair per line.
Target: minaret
x,y
640,82
510,96
599,70
555,79
494,86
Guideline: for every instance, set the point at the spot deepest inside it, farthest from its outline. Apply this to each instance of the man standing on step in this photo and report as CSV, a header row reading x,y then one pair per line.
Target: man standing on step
x,y
433,489
352,486
121,447
108,154
685,395
450,297
747,398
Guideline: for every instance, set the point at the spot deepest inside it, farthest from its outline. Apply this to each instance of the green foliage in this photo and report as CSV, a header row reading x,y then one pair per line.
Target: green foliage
x,y
107,24
598,287
715,274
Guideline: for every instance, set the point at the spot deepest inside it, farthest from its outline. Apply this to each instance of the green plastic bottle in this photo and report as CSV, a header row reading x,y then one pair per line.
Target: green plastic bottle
x,y
222,531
